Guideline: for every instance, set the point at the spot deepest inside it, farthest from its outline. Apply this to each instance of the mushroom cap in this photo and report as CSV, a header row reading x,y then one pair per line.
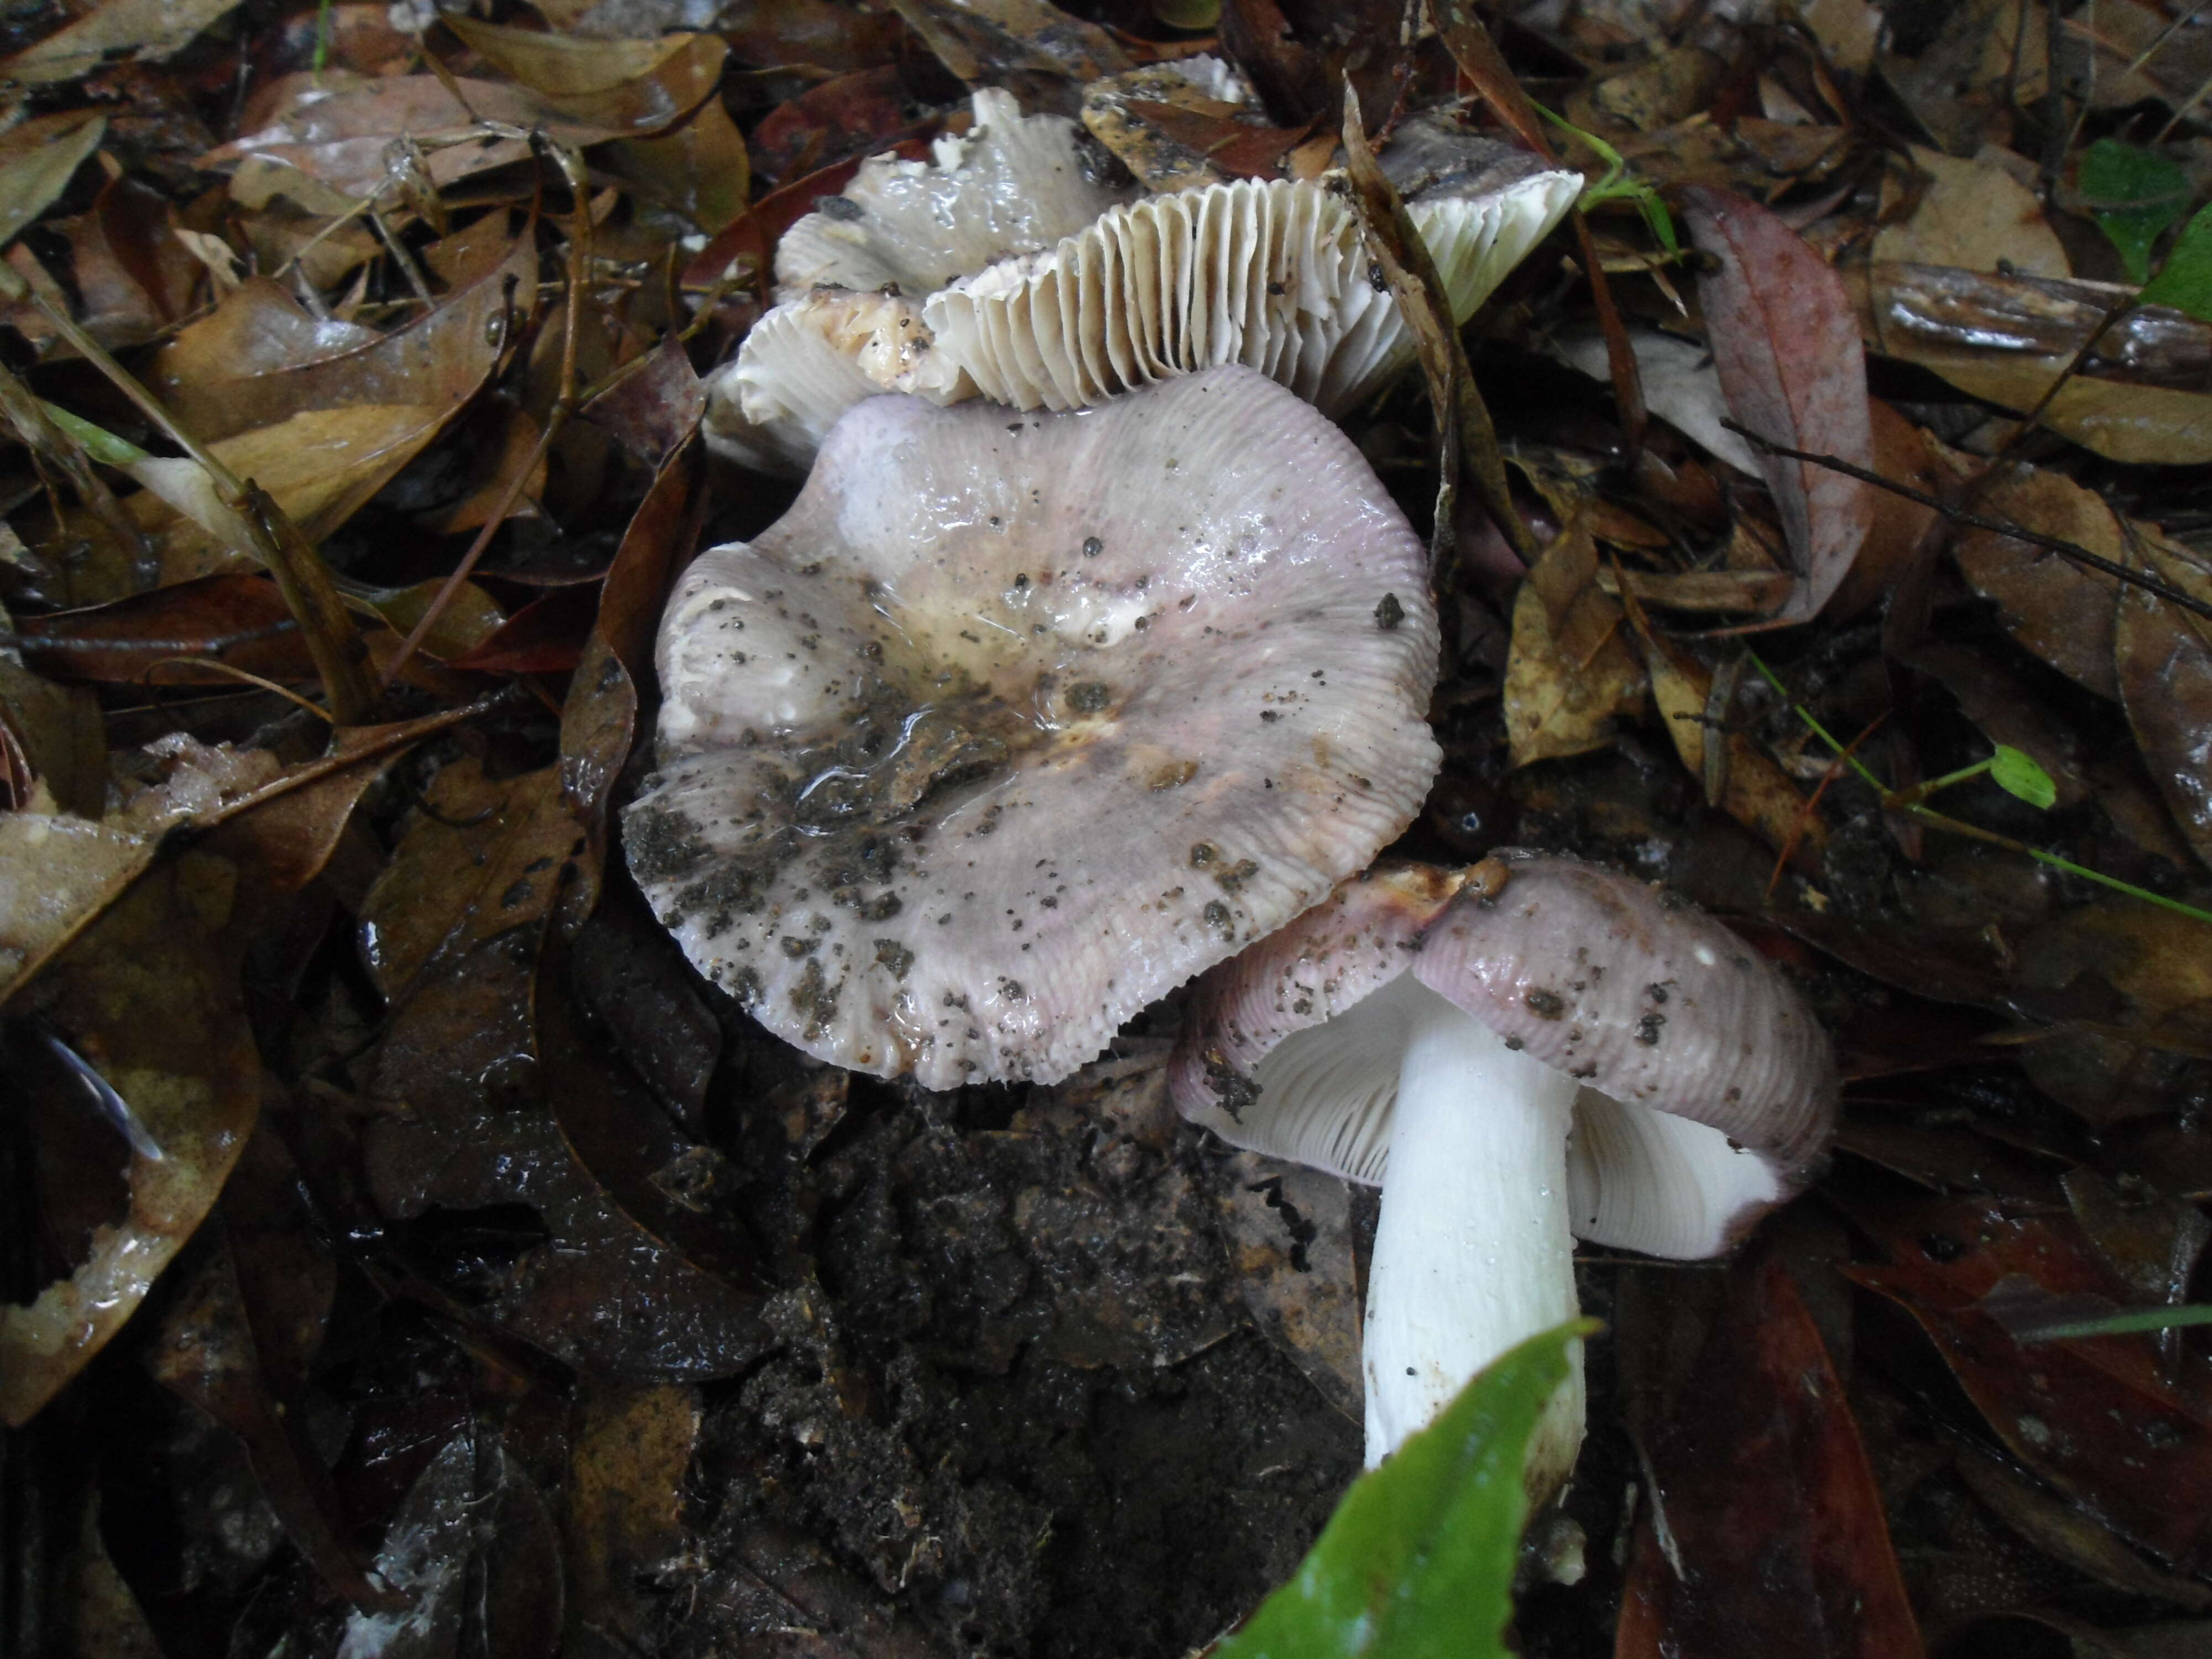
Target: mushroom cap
x,y
810,360
1011,724
1012,184
1273,274
1710,1088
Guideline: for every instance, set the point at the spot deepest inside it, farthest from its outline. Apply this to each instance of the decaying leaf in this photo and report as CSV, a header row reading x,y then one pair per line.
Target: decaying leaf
x,y
2058,609
148,992
1775,1537
2096,1417
1288,1232
626,1477
1752,789
1974,215
1786,344
2163,659
153,29
1571,675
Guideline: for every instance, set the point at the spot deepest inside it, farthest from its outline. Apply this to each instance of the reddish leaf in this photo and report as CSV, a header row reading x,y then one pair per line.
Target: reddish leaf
x,y
1769,1502
544,637
852,114
2098,1418
1786,340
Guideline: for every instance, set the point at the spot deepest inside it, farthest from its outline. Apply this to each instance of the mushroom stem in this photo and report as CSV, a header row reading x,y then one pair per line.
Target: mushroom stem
x,y
1472,1252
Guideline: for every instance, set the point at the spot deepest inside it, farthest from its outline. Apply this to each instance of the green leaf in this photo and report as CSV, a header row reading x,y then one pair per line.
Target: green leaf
x,y
100,443
2017,774
1417,1563
2124,1324
2135,194
2184,281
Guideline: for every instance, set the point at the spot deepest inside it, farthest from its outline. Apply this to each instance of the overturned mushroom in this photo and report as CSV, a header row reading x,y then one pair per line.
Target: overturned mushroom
x,y
1530,1049
1003,268
1014,722
1273,274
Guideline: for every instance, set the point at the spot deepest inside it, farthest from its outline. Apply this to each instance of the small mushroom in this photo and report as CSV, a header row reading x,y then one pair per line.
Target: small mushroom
x,y
1014,722
1533,1047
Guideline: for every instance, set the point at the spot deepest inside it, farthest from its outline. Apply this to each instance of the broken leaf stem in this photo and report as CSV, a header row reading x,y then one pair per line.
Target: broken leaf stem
x,y
1911,801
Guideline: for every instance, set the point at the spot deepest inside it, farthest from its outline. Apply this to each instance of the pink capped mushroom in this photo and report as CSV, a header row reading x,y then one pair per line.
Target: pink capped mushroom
x,y
1522,1053
1016,721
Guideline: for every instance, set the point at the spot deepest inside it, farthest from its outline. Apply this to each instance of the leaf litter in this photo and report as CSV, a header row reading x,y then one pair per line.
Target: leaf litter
x,y
507,1286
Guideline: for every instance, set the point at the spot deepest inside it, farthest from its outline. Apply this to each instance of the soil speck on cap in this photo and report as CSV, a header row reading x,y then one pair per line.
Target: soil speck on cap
x,y
895,957
1231,1088
1087,696
1389,613
1545,1004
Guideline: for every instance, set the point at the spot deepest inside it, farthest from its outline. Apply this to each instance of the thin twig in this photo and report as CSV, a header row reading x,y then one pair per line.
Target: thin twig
x,y
1956,514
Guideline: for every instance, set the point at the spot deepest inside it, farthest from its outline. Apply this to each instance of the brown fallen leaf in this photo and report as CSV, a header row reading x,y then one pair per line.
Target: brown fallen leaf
x,y
38,158
1571,675
2162,658
64,872
1754,791
323,140
626,1472
1287,1230
50,734
473,1555
241,622
2007,339
700,168
1786,342
207,1354
1775,1539
635,87
599,720
1975,214
1036,51
258,358
153,29
2055,608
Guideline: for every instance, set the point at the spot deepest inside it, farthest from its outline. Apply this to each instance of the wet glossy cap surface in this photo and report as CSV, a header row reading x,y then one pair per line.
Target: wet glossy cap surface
x,y
1017,721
